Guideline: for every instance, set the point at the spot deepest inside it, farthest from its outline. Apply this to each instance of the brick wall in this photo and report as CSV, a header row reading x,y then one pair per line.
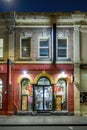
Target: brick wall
x,y
35,34
67,33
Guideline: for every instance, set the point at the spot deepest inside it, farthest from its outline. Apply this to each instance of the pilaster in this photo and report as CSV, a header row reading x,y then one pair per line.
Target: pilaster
x,y
11,45
76,50
76,89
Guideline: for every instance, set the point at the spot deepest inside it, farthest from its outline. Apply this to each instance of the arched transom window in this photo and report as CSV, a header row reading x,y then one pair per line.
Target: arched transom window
x,y
43,81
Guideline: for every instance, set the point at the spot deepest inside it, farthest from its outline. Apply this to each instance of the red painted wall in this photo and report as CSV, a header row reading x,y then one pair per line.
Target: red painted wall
x,y
11,101
3,77
33,70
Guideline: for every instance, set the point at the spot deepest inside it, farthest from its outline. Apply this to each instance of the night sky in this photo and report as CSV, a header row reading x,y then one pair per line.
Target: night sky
x,y
43,5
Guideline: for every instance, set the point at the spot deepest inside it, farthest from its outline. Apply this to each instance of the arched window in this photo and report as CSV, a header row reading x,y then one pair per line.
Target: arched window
x,y
61,91
24,85
26,95
43,81
1,85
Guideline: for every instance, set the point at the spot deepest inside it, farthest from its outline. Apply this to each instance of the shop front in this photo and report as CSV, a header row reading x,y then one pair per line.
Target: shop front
x,y
44,91
44,96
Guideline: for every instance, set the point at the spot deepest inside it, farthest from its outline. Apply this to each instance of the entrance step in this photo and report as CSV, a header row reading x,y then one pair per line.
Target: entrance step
x,y
35,113
62,113
24,113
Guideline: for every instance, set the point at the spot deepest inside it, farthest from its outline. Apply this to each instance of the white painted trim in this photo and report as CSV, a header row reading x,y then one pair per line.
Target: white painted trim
x,y
33,26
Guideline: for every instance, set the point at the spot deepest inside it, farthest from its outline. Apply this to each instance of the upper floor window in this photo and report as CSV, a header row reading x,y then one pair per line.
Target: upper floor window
x,y
1,85
25,47
1,47
62,48
44,48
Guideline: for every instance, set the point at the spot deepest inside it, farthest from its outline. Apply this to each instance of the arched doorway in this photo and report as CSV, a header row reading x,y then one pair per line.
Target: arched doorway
x,y
26,95
61,95
43,95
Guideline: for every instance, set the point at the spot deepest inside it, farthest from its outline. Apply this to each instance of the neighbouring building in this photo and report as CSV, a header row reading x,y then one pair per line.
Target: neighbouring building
x,y
43,63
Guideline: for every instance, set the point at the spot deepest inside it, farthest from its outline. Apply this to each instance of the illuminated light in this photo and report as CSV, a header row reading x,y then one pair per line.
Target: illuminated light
x,y
24,72
62,75
8,2
25,49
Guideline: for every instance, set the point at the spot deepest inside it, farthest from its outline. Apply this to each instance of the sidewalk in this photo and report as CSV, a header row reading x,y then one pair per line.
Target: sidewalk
x,y
42,120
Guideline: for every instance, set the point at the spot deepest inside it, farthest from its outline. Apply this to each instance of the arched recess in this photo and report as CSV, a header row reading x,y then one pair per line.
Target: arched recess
x,y
43,74
21,77
61,92
67,78
26,95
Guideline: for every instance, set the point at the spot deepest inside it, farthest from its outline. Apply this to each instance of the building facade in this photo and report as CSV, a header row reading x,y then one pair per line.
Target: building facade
x,y
43,63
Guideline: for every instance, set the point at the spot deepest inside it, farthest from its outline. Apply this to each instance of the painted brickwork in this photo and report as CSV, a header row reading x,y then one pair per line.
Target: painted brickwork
x,y
42,28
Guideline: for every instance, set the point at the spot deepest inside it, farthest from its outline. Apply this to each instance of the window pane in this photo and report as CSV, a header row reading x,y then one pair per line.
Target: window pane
x,y
44,43
43,81
62,43
25,47
62,53
62,48
25,42
1,52
43,51
1,42
25,52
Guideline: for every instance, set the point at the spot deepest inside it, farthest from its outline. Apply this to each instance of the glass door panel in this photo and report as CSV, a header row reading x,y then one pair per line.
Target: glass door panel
x,y
48,98
38,98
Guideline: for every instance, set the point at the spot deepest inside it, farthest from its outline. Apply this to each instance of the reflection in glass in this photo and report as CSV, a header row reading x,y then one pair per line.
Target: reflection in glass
x,y
38,98
43,98
48,98
43,81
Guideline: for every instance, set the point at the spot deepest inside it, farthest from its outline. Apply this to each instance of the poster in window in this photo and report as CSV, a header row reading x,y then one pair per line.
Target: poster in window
x,y
58,102
83,98
24,102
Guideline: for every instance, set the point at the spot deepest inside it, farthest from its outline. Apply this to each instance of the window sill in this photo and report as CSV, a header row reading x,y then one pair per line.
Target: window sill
x,y
63,59
24,59
1,59
43,59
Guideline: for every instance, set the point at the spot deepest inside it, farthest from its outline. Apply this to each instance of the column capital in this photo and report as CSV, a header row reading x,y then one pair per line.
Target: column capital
x,y
76,27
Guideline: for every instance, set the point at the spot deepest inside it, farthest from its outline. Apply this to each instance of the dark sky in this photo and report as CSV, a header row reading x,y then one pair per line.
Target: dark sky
x,y
43,5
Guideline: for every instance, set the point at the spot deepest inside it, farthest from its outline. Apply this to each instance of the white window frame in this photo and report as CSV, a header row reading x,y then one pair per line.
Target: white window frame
x,y
1,46
63,48
43,38
24,37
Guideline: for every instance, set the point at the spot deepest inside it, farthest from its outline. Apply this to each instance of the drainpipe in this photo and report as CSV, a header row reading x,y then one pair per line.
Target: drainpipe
x,y
54,41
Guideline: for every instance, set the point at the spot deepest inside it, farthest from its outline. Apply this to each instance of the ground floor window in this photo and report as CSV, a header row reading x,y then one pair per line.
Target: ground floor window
x,y
60,95
43,96
26,95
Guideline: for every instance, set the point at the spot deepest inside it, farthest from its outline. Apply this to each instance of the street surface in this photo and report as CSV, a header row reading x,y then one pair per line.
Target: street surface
x,y
43,127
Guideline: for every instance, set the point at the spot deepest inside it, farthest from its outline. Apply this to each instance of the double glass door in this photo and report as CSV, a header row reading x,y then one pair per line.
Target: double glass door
x,y
43,98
